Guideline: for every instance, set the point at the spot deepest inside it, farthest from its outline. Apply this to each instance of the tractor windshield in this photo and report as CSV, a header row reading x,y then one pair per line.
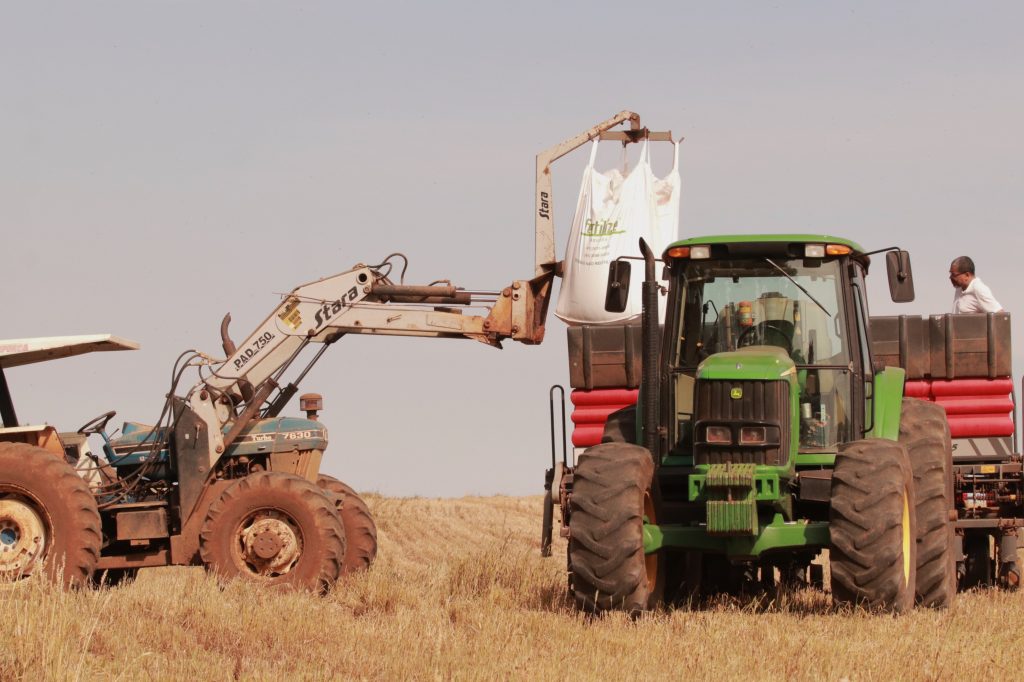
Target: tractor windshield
x,y
793,304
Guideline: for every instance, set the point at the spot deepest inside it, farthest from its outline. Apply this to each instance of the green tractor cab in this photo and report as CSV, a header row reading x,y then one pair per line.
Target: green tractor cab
x,y
772,435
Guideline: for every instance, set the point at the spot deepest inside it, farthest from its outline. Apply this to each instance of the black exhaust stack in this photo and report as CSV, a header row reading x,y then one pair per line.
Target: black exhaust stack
x,y
651,353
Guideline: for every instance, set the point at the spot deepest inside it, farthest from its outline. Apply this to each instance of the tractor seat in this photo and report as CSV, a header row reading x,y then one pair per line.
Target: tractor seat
x,y
770,333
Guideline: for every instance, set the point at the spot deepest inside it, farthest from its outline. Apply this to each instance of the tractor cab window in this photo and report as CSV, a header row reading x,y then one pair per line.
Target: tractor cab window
x,y
793,304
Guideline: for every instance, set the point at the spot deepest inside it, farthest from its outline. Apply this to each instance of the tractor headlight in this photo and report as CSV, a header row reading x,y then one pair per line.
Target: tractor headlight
x,y
720,435
753,435
814,251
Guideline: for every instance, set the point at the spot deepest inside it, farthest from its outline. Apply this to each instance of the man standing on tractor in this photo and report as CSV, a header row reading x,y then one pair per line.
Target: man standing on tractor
x,y
971,294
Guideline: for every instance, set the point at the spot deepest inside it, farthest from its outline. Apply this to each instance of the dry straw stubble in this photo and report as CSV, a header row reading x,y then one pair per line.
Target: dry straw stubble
x,y
459,591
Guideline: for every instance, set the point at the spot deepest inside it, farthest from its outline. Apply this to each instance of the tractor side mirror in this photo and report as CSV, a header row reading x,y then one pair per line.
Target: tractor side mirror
x,y
901,279
617,294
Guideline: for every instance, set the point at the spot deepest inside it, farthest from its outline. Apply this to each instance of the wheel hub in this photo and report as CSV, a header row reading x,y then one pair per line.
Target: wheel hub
x,y
22,537
906,539
271,544
267,544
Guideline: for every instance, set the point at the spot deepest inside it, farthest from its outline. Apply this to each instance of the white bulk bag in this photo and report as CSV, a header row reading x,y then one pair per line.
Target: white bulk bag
x,y
666,201
612,214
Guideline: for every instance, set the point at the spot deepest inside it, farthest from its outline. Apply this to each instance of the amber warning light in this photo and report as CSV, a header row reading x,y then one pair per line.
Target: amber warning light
x,y
695,252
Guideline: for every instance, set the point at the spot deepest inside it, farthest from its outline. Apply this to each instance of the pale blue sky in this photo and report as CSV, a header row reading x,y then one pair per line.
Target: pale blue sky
x,y
164,163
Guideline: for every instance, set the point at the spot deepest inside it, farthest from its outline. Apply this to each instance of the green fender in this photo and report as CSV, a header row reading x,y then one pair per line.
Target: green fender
x,y
887,403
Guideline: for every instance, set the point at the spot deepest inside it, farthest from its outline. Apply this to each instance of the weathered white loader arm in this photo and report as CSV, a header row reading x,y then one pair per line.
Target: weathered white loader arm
x,y
363,301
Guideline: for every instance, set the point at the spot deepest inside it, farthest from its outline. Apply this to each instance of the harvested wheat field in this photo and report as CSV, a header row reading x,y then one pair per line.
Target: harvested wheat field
x,y
459,591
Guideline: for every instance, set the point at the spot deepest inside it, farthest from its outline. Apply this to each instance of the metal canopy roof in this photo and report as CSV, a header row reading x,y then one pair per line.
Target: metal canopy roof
x,y
16,352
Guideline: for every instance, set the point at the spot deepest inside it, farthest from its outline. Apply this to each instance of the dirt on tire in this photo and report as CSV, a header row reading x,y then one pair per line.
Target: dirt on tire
x,y
924,432
607,564
33,478
360,529
873,552
285,504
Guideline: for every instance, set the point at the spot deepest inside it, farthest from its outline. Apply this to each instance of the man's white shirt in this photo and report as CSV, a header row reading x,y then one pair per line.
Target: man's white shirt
x,y
976,298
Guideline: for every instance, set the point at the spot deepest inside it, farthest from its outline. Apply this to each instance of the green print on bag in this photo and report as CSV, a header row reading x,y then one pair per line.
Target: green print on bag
x,y
601,228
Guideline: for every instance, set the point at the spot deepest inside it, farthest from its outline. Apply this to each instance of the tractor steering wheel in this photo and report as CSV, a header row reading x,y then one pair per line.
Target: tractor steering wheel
x,y
98,424
760,328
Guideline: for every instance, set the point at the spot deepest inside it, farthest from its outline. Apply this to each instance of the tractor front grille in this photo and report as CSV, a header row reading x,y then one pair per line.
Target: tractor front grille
x,y
760,403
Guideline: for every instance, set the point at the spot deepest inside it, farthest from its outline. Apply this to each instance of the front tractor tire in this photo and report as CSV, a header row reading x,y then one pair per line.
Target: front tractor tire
x,y
49,523
924,432
360,530
872,522
274,529
611,496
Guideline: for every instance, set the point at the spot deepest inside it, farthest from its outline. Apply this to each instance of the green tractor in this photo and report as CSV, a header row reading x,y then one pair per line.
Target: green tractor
x,y
765,432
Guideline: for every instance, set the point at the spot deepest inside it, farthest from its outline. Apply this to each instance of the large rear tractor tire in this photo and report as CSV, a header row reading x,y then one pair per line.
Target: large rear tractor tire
x,y
49,523
924,432
275,529
611,496
360,530
872,521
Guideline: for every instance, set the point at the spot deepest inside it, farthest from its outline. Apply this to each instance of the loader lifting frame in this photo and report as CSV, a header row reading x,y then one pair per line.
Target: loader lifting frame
x,y
545,258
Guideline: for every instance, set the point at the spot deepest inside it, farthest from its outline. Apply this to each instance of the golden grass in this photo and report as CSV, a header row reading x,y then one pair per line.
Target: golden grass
x,y
459,591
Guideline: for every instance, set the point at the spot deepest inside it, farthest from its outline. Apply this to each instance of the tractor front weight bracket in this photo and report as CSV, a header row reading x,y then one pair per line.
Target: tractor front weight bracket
x,y
779,534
